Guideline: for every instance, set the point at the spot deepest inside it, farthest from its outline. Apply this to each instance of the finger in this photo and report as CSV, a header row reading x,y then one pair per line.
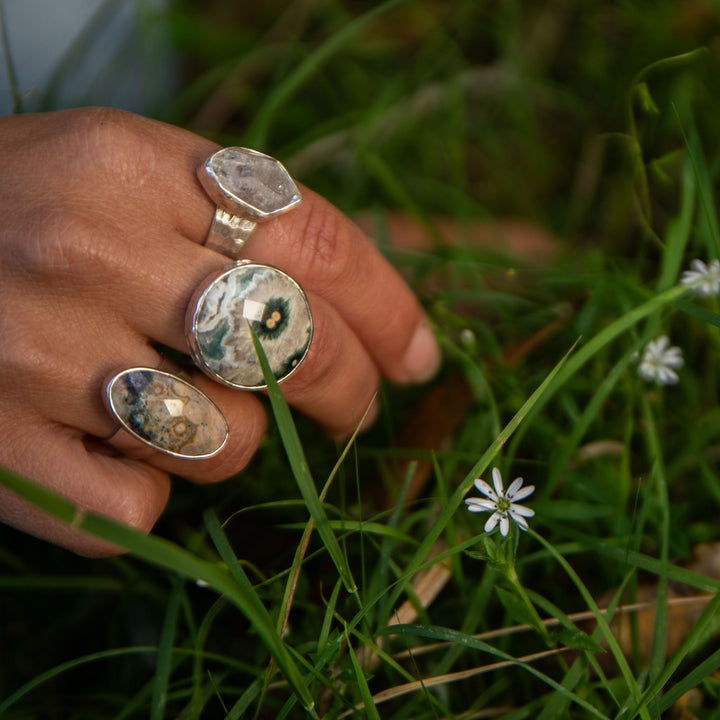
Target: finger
x,y
129,491
336,383
329,256
314,243
61,376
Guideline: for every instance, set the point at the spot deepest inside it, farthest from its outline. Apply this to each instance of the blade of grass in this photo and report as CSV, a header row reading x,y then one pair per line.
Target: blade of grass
x,y
301,469
166,554
678,231
361,680
704,185
257,614
687,646
164,657
448,635
610,638
480,466
655,457
256,134
245,700
691,680
201,638
44,677
632,558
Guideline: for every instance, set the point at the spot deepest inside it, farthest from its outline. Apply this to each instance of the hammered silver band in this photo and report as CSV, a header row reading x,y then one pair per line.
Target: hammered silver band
x,y
248,187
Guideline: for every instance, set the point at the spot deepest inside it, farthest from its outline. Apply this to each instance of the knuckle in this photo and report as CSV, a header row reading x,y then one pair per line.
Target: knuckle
x,y
24,353
326,246
113,146
142,499
55,243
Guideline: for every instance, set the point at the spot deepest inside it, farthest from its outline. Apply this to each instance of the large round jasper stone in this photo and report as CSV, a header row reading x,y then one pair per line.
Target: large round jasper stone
x,y
166,412
243,296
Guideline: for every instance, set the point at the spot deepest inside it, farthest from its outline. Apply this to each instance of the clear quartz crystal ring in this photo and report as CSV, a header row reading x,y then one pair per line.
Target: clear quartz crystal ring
x,y
239,297
248,187
166,412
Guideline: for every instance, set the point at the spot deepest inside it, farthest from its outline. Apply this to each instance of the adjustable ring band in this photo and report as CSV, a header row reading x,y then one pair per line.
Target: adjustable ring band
x,y
224,308
166,412
248,187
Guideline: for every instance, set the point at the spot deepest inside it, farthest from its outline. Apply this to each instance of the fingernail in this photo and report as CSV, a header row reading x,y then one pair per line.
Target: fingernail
x,y
422,358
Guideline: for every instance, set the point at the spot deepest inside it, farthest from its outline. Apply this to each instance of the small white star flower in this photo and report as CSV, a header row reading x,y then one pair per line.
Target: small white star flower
x,y
659,362
501,503
703,279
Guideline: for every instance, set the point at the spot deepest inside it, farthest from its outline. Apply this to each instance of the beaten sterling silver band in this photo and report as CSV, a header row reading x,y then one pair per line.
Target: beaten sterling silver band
x,y
248,187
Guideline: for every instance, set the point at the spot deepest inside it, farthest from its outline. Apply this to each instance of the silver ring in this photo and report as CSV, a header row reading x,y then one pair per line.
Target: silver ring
x,y
231,301
166,412
248,187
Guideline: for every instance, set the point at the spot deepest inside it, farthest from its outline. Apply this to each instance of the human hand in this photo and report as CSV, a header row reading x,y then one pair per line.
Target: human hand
x,y
101,248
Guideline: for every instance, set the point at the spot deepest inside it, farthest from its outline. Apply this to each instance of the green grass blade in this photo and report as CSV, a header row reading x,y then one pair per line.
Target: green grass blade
x,y
257,132
245,700
257,614
480,466
453,636
44,677
708,218
600,618
691,680
688,645
164,658
301,470
163,553
654,451
678,231
365,694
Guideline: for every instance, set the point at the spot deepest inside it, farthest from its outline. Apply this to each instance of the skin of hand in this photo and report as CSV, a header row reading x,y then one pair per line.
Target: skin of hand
x,y
101,247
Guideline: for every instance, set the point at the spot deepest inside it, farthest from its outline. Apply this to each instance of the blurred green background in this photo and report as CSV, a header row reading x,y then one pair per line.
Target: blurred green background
x,y
569,116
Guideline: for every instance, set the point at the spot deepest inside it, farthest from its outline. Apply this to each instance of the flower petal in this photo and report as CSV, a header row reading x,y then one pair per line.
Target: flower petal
x,y
519,521
497,482
504,526
478,505
492,522
521,510
515,485
485,489
522,493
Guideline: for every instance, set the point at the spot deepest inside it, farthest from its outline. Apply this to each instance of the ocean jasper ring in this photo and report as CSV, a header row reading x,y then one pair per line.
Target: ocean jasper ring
x,y
166,412
247,187
239,297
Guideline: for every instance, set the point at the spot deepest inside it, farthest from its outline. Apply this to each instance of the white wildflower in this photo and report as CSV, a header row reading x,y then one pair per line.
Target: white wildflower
x,y
659,362
703,279
501,503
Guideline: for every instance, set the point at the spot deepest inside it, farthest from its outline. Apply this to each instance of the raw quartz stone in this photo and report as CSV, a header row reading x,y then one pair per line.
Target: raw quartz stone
x,y
166,412
258,182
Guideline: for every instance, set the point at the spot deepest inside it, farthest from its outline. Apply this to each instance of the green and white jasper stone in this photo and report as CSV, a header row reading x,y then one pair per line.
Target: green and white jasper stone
x,y
166,412
243,296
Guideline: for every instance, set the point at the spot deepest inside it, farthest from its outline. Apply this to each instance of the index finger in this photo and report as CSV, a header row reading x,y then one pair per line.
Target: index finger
x,y
329,255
